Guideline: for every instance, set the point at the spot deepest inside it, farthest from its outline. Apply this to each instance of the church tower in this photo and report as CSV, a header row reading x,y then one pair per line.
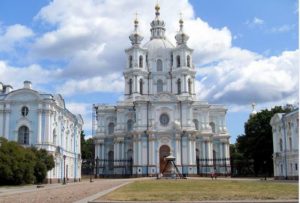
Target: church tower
x,y
136,71
159,66
183,69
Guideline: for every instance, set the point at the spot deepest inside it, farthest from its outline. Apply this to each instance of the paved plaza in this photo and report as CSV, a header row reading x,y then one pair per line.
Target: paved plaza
x,y
83,191
72,192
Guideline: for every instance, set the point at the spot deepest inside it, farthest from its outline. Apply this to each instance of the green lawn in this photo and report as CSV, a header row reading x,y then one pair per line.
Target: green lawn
x,y
193,190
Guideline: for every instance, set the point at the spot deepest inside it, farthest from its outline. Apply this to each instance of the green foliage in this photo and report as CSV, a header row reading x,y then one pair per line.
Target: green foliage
x,y
19,165
257,144
44,163
87,147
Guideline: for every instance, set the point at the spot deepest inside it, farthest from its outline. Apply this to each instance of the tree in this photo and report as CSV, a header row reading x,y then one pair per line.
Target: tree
x,y
19,165
16,164
257,143
87,147
44,163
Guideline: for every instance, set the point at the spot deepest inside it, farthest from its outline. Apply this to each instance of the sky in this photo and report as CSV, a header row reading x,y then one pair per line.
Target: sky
x,y
245,51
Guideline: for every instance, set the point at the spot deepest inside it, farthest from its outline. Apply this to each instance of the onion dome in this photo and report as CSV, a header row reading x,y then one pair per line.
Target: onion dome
x,y
181,37
135,37
157,25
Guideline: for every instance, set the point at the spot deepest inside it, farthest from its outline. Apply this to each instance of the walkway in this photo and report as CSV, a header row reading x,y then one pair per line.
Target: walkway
x,y
57,192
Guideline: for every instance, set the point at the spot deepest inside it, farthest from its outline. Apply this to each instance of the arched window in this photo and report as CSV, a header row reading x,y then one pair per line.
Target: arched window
x,y
178,61
171,59
24,111
159,65
23,135
130,61
196,124
54,137
111,128
178,86
190,86
159,86
188,61
141,86
141,61
130,86
280,145
213,127
129,125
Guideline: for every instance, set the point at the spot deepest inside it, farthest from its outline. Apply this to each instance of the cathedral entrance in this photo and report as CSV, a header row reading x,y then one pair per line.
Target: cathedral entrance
x,y
164,151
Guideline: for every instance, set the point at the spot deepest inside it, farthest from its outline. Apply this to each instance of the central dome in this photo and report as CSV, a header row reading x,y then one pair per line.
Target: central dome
x,y
159,47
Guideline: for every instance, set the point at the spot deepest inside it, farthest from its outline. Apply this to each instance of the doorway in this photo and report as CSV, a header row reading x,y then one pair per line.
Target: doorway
x,y
164,151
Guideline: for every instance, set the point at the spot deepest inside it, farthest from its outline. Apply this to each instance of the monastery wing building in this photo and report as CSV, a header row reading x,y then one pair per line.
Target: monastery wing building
x,y
41,120
160,114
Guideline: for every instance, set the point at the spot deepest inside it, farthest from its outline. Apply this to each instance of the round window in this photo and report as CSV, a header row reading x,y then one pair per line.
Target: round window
x,y
25,111
164,119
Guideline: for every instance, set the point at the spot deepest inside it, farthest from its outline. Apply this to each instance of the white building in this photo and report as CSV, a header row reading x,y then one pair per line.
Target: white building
x,y
285,129
37,119
160,114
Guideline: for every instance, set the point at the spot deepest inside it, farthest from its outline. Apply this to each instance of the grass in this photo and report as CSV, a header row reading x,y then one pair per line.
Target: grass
x,y
197,190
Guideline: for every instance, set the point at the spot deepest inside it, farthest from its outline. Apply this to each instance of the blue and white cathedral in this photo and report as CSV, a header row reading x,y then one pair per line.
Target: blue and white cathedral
x,y
160,114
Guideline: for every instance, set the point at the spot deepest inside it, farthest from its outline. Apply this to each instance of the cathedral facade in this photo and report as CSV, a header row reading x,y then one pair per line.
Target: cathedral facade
x,y
160,114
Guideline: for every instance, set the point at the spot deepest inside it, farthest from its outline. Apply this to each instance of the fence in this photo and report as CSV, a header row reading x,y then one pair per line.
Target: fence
x,y
205,167
123,167
107,167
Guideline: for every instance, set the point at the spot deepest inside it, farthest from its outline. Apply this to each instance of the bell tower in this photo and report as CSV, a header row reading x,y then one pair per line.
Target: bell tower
x,y
136,70
183,69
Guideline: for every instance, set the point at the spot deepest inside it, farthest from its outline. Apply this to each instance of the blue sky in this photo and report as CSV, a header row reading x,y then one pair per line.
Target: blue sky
x,y
245,51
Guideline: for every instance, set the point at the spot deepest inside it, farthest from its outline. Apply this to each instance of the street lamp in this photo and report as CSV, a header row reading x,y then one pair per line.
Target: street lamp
x,y
91,171
265,169
64,169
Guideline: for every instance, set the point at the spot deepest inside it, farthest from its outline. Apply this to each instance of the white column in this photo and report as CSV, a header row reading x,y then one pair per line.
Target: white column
x,y
123,150
102,155
227,153
184,83
178,150
51,130
210,151
47,128
7,120
39,130
139,150
135,151
190,151
1,120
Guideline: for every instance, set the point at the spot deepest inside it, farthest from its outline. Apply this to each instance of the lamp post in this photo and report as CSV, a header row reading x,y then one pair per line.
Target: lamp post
x,y
64,182
265,169
91,171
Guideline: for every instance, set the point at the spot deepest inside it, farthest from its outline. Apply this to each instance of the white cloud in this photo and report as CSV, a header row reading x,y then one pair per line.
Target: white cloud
x,y
109,83
90,37
13,35
85,110
255,22
258,21
34,73
258,80
283,28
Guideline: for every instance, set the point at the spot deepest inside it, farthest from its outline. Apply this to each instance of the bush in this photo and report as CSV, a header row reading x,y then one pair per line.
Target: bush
x,y
19,165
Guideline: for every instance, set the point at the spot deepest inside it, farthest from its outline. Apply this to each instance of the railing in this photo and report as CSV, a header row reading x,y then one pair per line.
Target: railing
x,y
108,167
205,167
